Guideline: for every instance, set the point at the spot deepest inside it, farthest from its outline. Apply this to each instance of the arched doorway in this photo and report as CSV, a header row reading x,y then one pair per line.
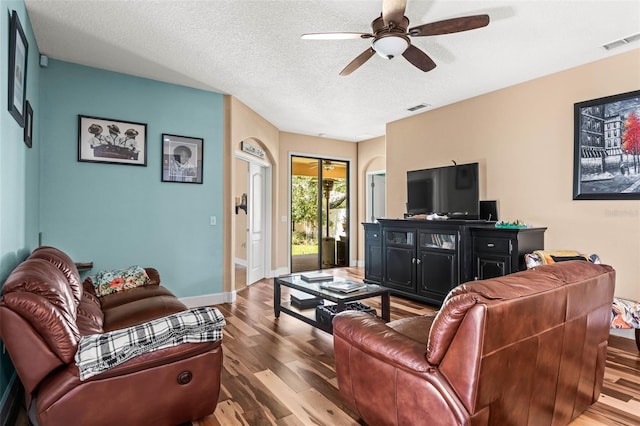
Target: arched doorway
x,y
252,190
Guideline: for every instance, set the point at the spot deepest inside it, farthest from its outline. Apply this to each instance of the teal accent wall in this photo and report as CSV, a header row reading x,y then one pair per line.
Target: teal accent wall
x,y
121,215
19,171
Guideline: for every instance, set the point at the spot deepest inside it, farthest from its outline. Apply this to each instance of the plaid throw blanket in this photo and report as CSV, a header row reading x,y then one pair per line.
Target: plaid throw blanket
x,y
99,352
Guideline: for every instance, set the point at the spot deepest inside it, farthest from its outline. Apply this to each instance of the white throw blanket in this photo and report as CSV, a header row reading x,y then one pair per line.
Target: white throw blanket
x,y
100,352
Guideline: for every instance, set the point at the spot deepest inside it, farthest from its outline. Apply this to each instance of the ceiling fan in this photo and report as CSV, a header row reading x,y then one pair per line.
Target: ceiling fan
x,y
327,165
391,37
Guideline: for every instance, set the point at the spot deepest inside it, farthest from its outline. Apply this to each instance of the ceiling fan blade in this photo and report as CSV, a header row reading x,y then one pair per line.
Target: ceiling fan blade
x,y
358,61
393,11
334,36
419,59
449,26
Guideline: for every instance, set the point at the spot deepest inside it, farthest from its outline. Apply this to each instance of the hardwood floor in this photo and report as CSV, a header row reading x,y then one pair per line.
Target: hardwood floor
x,y
281,372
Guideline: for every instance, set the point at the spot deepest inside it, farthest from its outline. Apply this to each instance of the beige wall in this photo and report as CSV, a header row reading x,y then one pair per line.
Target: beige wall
x,y
522,136
242,123
293,143
371,158
242,171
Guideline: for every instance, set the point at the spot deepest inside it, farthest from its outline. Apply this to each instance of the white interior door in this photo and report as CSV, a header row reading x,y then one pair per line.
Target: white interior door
x,y
256,224
376,188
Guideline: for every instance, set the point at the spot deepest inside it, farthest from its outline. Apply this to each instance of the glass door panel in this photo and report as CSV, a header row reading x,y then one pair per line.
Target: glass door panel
x,y
305,211
319,213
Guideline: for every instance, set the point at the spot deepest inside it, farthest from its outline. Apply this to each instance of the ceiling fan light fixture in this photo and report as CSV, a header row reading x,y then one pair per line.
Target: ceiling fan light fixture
x,y
391,46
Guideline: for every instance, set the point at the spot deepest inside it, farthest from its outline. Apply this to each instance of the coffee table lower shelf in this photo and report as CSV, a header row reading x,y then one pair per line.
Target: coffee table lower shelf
x,y
286,308
341,300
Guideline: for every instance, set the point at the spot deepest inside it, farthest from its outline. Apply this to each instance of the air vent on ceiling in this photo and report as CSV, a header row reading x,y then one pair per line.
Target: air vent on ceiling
x,y
622,42
417,107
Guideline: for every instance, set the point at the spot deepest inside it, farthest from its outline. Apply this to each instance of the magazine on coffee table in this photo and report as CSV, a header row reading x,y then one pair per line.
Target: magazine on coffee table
x,y
344,286
313,277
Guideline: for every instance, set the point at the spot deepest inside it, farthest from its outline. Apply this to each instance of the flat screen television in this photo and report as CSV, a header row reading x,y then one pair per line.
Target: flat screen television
x,y
449,190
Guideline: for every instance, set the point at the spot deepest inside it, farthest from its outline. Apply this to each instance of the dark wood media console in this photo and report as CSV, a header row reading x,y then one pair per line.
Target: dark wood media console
x,y
425,259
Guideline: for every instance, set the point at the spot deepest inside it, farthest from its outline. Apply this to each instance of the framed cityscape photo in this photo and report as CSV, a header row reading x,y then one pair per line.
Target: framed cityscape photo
x,y
17,73
181,159
104,140
606,159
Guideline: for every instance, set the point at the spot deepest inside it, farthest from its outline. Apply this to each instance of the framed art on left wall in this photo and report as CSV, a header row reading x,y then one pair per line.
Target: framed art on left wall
x,y
104,140
28,126
17,73
181,159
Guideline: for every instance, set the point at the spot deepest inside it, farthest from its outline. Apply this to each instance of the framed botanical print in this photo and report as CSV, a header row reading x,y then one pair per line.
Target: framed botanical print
x,y
105,140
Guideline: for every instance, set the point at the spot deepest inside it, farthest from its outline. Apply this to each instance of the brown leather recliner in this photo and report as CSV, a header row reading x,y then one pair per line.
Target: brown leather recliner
x,y
526,348
45,310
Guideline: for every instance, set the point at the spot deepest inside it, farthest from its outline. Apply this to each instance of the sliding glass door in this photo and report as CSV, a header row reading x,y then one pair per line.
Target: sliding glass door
x,y
319,213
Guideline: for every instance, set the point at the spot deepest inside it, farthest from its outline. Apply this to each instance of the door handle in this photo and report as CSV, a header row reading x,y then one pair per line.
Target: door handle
x,y
491,245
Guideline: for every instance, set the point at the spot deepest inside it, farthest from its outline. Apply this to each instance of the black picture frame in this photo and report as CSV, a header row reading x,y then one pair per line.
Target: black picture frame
x,y
28,125
126,142
606,158
181,159
17,72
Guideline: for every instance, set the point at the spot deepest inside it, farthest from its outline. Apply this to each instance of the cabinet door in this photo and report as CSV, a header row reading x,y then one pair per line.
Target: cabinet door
x,y
437,273
493,256
399,268
373,263
372,254
491,266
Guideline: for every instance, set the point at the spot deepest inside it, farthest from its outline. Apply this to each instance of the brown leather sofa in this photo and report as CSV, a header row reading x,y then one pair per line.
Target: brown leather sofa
x,y
45,310
526,348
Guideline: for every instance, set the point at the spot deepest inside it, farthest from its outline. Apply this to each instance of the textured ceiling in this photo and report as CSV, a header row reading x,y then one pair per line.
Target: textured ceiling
x,y
253,51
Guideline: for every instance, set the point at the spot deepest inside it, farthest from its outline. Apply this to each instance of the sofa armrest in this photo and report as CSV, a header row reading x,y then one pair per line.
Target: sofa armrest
x,y
154,276
372,336
100,352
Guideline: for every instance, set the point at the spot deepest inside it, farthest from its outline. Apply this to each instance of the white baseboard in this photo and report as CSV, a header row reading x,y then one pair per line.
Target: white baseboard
x,y
360,263
209,299
280,271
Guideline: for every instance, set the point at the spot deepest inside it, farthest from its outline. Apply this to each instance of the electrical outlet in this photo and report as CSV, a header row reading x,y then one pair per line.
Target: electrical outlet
x,y
212,221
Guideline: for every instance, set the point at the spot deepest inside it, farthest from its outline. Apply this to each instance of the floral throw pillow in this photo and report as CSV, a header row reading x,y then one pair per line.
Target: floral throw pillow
x,y
109,282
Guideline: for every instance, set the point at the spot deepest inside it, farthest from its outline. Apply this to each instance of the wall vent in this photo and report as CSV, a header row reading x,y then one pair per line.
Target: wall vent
x,y
417,107
622,42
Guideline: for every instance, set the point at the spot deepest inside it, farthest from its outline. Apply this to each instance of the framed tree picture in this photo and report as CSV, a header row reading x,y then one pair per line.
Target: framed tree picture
x,y
606,159
104,140
17,73
181,159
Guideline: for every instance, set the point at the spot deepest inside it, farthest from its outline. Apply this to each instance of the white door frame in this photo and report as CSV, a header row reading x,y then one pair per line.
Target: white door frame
x,y
369,193
267,213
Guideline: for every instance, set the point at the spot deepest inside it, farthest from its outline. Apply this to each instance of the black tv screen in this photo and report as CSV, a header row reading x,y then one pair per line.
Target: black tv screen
x,y
450,190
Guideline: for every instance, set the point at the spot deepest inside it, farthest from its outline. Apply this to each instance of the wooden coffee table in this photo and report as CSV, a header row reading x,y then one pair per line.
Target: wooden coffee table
x,y
314,288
